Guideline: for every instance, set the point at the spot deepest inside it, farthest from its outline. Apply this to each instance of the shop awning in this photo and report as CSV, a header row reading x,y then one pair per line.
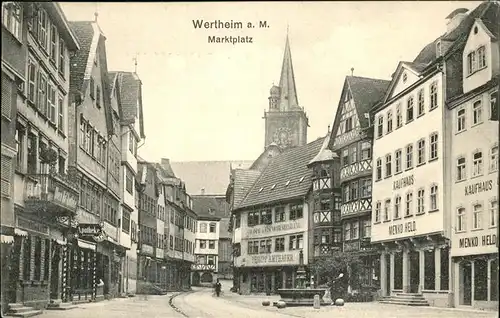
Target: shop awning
x,y
20,232
86,245
6,239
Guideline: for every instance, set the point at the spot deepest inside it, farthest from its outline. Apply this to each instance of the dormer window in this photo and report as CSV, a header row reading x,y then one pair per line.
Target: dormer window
x,y
260,190
301,179
287,183
438,49
476,60
274,186
405,77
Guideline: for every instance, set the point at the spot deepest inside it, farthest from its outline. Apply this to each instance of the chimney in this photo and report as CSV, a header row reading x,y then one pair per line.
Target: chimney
x,y
202,191
165,161
455,18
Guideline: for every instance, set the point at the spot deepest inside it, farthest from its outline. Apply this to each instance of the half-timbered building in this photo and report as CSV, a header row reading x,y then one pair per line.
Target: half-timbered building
x,y
206,251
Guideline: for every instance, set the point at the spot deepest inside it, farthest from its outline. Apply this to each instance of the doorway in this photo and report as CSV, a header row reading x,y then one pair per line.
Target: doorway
x,y
55,272
278,281
388,275
465,283
269,283
414,271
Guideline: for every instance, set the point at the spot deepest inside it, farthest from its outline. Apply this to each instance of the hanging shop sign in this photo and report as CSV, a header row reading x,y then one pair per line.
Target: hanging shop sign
x,y
89,229
478,187
32,225
147,249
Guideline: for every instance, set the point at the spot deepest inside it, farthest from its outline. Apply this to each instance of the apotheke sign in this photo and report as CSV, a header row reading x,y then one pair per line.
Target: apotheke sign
x,y
273,228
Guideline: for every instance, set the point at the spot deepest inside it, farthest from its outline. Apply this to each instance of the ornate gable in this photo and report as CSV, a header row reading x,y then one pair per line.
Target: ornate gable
x,y
405,76
346,125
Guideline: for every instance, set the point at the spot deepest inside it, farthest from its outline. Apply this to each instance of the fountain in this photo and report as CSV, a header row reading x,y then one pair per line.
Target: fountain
x,y
300,295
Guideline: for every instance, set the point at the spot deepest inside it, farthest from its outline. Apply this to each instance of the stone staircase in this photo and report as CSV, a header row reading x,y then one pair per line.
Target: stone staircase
x,y
19,310
407,299
57,304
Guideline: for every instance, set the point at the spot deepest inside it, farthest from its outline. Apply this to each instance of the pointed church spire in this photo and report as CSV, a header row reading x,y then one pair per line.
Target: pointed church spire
x,y
288,91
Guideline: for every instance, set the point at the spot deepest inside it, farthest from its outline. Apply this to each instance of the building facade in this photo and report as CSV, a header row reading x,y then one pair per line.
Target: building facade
x,y
474,181
352,136
94,160
40,199
206,251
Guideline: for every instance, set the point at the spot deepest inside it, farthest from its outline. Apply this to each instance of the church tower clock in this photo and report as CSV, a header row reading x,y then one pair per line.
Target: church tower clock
x,y
286,121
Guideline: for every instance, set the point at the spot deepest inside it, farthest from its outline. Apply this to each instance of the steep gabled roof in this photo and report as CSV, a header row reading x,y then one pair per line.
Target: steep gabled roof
x,y
324,154
84,32
243,181
366,92
287,177
131,96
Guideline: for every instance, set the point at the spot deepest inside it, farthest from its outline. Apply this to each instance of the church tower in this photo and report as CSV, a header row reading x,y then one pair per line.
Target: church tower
x,y
286,121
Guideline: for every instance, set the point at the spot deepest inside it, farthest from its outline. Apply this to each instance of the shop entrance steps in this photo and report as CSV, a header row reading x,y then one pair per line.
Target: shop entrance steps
x,y
57,304
408,299
19,310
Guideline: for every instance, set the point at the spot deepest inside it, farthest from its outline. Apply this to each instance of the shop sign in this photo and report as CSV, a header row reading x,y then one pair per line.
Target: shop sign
x,y
406,227
403,182
477,241
147,249
271,259
32,226
478,187
89,229
273,228
65,198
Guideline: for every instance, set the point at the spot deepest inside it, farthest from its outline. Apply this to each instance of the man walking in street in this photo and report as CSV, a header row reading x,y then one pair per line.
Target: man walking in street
x,y
218,288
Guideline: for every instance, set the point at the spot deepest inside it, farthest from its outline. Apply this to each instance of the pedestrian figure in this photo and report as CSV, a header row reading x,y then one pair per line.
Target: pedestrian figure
x,y
218,288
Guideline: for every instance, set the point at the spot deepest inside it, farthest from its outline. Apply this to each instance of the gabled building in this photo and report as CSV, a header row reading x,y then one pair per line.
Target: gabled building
x,y
473,162
126,93
38,198
351,138
94,160
204,271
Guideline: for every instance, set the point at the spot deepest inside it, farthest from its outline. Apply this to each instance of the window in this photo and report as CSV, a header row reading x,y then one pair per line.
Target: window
x,y
266,217
434,146
296,211
20,140
398,167
477,112
367,229
279,244
32,73
354,190
421,152
126,221
279,214
388,165
460,220
434,95
347,231
211,244
98,96
461,169
461,120
62,57
493,105
51,101
409,204
345,156
494,158
347,193
92,88
203,244
379,169
353,154
378,206
399,116
42,28
421,103
348,124
129,182
420,201
387,209
380,126
389,121
481,57
355,230
365,188
213,227
434,198
477,163
12,18
60,108
296,242
41,104
493,213
366,150
471,62
397,207
477,211
409,157
409,109
203,228
253,218
53,44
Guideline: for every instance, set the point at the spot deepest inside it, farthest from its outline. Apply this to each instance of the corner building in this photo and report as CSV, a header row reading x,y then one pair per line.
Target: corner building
x,y
409,223
474,181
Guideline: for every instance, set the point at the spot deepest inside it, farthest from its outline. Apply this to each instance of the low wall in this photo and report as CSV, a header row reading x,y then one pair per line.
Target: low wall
x,y
443,299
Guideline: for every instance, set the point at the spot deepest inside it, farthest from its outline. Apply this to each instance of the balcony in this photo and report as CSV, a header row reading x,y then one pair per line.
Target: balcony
x,y
357,169
356,207
52,193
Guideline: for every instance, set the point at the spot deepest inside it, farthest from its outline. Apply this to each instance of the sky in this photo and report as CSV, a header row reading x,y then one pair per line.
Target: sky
x,y
205,101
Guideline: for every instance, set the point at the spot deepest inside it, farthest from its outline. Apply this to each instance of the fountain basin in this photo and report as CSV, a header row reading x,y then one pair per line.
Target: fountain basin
x,y
301,297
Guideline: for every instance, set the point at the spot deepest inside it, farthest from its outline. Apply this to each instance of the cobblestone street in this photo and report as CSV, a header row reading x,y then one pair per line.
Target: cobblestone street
x,y
202,304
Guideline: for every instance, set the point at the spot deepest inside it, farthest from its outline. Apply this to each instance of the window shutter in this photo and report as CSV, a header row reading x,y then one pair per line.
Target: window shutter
x,y
6,176
6,97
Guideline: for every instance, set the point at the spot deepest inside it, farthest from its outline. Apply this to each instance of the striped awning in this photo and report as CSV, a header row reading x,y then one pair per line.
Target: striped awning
x,y
20,232
6,239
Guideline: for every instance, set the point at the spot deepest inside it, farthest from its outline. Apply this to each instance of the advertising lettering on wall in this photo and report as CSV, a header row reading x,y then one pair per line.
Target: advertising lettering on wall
x,y
478,187
273,259
272,228
477,241
403,182
406,227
